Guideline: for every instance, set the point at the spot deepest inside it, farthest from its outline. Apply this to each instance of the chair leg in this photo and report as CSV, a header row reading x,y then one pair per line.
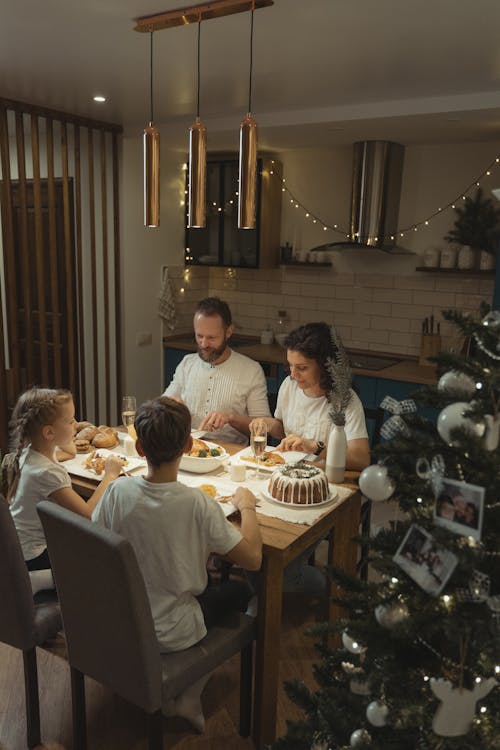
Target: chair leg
x,y
156,731
31,692
78,708
246,670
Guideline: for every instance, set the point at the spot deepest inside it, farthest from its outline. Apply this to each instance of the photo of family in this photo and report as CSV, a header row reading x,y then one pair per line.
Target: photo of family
x,y
425,561
459,508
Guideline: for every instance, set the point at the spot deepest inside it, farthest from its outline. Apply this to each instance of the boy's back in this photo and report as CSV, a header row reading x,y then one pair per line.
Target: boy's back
x,y
173,529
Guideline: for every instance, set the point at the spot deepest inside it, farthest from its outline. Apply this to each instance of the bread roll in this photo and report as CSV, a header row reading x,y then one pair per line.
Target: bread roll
x,y
87,433
82,425
82,446
105,437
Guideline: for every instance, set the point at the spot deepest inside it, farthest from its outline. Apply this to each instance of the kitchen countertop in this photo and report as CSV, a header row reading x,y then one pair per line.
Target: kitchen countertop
x,y
407,370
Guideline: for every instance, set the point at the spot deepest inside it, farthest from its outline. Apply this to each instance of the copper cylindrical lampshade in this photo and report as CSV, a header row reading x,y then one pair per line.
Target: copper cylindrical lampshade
x,y
151,176
197,175
248,173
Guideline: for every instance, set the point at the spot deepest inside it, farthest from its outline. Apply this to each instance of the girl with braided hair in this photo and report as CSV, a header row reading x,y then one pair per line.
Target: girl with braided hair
x,y
42,421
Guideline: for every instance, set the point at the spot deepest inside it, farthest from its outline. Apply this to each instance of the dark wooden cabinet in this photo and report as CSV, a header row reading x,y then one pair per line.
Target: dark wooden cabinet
x,y
221,243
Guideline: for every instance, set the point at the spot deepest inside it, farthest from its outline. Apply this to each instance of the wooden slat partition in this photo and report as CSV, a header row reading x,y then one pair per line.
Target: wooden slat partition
x,y
82,406
39,253
54,288
61,262
116,236
105,269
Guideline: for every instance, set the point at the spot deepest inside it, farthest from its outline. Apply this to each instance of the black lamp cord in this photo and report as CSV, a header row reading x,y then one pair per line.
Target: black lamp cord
x,y
251,62
151,74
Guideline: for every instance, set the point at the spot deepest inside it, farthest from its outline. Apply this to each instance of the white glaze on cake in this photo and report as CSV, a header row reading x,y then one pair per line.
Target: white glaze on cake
x,y
301,484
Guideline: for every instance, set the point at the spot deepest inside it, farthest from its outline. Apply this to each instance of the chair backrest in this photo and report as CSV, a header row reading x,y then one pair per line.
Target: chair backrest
x,y
374,417
17,618
105,609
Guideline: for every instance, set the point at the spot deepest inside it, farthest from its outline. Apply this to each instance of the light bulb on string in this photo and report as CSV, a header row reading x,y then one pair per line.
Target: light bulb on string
x,y
151,158
248,154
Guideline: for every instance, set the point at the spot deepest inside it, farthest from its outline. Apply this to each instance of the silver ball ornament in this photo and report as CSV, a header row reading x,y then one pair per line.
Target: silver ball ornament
x,y
452,416
390,615
375,483
376,713
457,382
351,644
360,738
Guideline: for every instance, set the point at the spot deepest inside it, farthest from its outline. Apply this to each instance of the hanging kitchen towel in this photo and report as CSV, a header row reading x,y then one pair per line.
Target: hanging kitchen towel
x,y
166,303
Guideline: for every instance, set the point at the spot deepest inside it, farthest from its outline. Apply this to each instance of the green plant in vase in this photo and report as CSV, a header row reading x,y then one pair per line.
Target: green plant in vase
x,y
477,226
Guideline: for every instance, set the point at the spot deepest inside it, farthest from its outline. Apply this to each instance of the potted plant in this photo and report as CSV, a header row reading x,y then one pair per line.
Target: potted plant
x,y
477,229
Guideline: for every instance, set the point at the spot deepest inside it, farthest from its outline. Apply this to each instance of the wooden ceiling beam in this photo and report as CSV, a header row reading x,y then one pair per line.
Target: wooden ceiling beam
x,y
195,13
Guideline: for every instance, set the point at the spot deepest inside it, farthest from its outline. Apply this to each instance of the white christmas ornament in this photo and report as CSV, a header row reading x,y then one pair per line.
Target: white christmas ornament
x,y
452,417
376,713
390,615
457,382
352,645
357,684
492,320
454,715
360,738
375,483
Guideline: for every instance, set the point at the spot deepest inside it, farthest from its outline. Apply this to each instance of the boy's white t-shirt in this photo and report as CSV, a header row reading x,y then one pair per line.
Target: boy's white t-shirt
x,y
173,530
307,416
40,477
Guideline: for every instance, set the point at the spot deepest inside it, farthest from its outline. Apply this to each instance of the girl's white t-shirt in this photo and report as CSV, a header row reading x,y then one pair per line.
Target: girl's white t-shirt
x,y
307,416
40,477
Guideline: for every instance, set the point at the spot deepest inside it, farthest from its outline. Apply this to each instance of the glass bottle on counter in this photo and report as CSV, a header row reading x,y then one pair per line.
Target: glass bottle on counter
x,y
282,327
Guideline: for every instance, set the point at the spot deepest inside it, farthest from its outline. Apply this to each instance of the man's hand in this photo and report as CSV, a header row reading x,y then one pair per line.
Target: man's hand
x,y
214,421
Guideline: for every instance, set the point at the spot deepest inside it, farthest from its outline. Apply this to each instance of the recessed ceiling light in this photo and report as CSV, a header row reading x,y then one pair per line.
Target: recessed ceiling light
x,y
99,98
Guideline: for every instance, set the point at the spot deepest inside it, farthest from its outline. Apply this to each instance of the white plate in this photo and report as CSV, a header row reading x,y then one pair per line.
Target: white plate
x,y
290,457
76,465
203,465
332,496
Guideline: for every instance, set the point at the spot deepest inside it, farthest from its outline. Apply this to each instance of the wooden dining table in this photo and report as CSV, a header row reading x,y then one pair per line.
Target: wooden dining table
x,y
283,542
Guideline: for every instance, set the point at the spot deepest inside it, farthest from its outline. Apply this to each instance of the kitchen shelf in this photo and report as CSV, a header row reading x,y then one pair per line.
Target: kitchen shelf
x,y
458,271
304,264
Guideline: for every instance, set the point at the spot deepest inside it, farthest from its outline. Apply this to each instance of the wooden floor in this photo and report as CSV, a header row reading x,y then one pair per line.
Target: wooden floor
x,y
114,724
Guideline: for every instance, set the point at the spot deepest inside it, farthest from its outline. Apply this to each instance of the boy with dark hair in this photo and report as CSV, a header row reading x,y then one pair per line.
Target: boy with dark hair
x,y
173,530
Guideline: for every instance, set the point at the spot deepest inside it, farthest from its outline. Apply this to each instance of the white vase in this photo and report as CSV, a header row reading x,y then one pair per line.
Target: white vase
x,y
336,452
448,257
466,257
486,261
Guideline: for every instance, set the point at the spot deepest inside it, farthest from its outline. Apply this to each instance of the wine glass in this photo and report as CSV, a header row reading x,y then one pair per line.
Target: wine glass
x,y
128,414
258,441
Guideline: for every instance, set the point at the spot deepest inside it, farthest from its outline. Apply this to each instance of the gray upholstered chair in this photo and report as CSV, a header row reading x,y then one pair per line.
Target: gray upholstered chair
x,y
24,623
109,627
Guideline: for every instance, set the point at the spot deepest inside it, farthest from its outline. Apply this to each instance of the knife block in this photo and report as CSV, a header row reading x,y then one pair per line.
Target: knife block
x,y
430,346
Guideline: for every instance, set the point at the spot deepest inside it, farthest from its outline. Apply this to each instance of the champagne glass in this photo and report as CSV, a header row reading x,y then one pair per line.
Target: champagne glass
x,y
258,441
128,414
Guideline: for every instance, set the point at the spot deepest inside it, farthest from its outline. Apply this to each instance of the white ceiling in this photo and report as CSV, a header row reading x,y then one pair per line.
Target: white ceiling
x,y
325,71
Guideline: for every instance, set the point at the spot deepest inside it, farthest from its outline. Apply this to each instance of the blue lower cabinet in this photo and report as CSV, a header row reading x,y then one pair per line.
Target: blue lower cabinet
x,y
172,357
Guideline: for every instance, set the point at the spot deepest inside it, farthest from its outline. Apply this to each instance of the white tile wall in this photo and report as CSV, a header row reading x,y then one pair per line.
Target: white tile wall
x,y
371,311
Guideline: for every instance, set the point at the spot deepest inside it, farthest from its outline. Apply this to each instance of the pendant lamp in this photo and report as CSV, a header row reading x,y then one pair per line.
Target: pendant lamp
x,y
151,144
248,156
197,163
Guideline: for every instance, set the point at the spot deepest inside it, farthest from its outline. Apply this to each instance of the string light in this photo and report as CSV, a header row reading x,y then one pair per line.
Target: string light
x,y
334,227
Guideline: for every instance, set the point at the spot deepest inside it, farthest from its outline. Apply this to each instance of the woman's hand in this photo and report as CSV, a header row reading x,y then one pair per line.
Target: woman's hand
x,y
297,443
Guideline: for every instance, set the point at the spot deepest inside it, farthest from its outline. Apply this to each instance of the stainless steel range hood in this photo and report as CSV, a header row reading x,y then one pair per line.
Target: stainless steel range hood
x,y
376,190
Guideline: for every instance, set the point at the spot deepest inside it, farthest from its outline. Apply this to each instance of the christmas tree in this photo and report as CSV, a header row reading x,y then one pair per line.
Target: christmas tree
x,y
417,665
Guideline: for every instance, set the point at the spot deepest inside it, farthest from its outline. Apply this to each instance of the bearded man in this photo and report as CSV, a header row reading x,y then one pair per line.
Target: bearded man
x,y
222,389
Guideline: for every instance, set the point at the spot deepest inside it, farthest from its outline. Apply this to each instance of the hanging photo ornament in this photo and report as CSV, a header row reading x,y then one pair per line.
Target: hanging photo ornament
x,y
357,684
320,745
455,713
396,423
351,644
433,472
376,713
375,483
458,383
360,738
493,603
452,416
390,615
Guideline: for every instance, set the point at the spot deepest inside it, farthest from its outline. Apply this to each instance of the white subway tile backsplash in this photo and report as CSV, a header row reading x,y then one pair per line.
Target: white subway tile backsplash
x,y
375,280
442,299
390,324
